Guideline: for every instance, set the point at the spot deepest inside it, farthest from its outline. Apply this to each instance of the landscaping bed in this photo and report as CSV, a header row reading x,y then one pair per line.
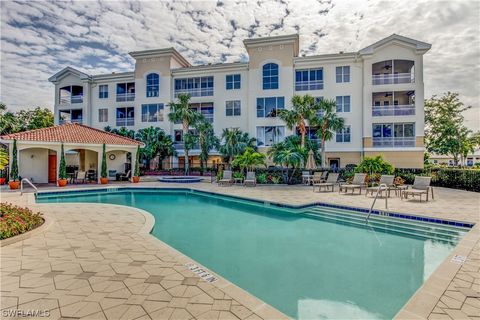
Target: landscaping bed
x,y
16,220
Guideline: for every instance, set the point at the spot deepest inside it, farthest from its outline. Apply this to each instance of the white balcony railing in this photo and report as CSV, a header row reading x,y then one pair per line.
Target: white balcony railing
x,y
180,146
79,121
77,99
125,122
72,99
393,110
392,78
195,92
125,97
394,142
309,85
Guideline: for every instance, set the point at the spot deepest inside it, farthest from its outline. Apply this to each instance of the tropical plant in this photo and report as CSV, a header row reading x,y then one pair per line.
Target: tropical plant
x,y
62,170
103,172
206,139
165,148
181,112
136,171
234,142
157,143
249,159
16,220
328,123
12,122
289,154
124,132
303,109
3,158
14,168
372,165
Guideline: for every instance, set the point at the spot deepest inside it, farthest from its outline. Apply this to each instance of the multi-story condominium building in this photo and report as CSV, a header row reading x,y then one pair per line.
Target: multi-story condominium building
x,y
379,92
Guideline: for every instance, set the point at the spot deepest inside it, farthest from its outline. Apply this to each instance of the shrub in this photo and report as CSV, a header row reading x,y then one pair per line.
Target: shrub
x,y
16,220
103,172
14,170
374,165
62,172
238,175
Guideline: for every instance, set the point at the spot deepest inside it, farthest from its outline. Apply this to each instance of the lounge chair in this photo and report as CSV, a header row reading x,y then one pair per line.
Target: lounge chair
x,y
384,179
306,177
319,177
421,186
227,178
81,176
358,182
124,176
250,179
331,181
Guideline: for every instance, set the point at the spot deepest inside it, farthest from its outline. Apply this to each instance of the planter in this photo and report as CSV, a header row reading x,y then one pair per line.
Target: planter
x,y
62,182
103,180
2,181
14,184
135,179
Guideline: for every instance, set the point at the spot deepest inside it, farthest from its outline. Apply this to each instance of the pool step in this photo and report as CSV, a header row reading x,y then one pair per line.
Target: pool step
x,y
358,219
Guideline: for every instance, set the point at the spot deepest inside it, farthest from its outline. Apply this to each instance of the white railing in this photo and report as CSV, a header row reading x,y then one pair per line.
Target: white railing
x,y
71,99
79,121
125,97
180,146
393,110
125,122
391,142
392,78
308,85
29,182
382,187
195,92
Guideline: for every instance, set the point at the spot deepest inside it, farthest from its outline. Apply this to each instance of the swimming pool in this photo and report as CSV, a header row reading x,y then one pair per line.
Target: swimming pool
x,y
310,263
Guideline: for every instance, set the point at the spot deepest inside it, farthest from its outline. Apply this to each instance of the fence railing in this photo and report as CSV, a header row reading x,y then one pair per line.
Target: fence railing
x,y
309,85
125,122
393,142
195,92
392,78
122,97
393,110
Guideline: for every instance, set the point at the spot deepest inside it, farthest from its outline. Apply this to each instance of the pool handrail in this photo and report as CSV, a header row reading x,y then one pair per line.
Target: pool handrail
x,y
381,187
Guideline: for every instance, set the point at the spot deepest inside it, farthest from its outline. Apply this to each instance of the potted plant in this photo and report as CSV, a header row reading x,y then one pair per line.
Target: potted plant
x,y
14,182
136,171
62,172
3,164
103,173
2,177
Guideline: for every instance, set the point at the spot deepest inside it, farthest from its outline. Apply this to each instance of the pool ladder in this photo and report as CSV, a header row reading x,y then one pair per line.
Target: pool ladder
x,y
29,182
381,187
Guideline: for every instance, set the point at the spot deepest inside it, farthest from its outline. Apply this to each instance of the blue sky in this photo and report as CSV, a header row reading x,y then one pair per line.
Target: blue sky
x,y
39,38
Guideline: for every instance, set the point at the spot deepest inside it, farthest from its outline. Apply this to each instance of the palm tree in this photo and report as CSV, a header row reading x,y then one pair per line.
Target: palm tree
x,y
149,136
206,139
235,142
288,154
327,124
303,109
249,159
165,147
181,112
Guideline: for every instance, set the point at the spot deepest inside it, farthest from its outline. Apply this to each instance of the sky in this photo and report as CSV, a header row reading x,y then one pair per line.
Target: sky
x,y
39,38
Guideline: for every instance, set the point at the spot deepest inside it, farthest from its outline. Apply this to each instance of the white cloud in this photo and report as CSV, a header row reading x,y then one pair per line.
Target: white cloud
x,y
39,38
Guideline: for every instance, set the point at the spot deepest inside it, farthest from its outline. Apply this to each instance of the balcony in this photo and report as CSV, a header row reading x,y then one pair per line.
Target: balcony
x,y
180,146
393,142
195,92
125,122
395,110
309,85
395,78
70,94
393,72
122,97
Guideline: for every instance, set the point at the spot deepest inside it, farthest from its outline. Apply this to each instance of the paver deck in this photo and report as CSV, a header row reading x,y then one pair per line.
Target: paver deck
x,y
98,261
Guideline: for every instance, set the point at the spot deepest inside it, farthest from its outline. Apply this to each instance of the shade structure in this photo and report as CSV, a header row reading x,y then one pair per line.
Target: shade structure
x,y
310,165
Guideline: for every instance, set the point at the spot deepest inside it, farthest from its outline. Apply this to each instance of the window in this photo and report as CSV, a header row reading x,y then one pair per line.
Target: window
x,y
393,134
343,74
103,115
270,76
310,79
195,87
125,117
152,112
205,108
71,116
125,91
267,136
103,91
233,81
232,108
267,107
153,84
344,135
318,100
343,103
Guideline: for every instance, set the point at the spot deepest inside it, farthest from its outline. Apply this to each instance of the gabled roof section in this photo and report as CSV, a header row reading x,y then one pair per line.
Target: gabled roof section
x,y
420,46
72,133
161,52
286,39
66,71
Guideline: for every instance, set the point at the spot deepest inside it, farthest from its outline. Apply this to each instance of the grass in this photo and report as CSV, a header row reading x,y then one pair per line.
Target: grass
x,y
16,220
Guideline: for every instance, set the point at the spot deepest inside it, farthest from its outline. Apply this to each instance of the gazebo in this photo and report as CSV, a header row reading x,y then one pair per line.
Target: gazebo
x,y
38,151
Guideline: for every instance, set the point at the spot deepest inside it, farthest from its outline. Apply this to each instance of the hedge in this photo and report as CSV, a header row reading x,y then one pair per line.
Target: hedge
x,y
464,179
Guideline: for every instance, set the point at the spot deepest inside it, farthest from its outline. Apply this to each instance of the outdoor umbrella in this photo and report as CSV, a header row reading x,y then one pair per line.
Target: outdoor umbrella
x,y
310,161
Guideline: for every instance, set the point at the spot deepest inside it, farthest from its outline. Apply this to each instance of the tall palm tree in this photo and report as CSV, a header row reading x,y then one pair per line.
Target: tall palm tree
x,y
206,139
181,112
235,142
303,109
288,153
327,124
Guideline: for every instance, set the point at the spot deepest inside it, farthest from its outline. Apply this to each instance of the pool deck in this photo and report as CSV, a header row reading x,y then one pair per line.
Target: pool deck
x,y
98,261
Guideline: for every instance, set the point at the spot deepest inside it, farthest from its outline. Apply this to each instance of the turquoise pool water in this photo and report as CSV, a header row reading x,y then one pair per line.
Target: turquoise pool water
x,y
314,263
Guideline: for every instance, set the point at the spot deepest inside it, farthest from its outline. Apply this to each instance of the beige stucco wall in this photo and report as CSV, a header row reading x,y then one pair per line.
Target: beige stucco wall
x,y
400,159
118,163
33,164
281,52
345,157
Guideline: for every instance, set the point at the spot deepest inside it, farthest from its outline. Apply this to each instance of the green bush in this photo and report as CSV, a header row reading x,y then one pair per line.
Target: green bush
x,y
16,220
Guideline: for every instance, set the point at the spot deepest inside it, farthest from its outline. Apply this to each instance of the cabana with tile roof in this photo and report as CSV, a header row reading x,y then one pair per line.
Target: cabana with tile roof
x,y
39,151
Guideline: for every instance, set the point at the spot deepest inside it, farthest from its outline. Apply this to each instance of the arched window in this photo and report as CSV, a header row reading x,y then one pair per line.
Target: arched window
x,y
153,84
270,76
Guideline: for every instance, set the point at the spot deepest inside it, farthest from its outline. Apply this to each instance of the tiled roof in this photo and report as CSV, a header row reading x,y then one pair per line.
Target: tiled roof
x,y
71,133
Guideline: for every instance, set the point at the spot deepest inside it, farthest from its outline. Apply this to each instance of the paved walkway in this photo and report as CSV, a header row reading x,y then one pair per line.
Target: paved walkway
x,y
96,261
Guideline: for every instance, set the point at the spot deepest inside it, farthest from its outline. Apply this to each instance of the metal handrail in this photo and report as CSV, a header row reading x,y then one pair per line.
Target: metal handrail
x,y
380,188
29,182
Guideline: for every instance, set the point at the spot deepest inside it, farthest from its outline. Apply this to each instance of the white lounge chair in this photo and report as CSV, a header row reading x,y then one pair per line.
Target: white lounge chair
x,y
421,186
358,182
384,180
319,177
306,177
227,178
250,179
331,181
81,176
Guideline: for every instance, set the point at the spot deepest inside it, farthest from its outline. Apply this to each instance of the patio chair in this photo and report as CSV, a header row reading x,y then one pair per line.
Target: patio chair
x,y
250,179
319,177
331,181
421,186
384,179
81,176
227,178
124,176
358,182
306,177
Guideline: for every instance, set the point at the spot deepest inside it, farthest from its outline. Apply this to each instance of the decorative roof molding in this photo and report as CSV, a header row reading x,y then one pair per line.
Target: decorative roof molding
x,y
67,71
234,66
286,39
420,46
160,52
